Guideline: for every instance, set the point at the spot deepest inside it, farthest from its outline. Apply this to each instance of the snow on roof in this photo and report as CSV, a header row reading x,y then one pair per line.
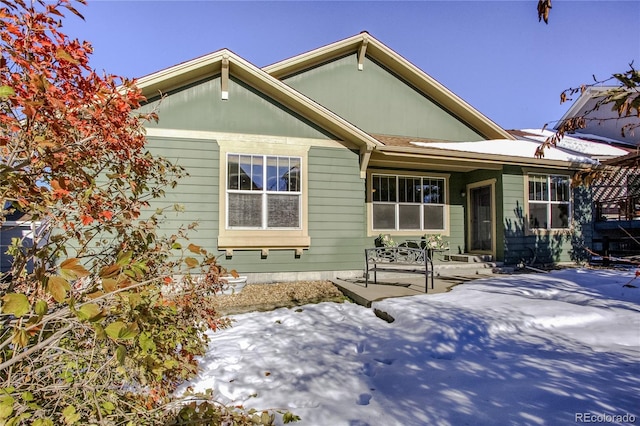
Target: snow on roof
x,y
603,139
580,144
511,148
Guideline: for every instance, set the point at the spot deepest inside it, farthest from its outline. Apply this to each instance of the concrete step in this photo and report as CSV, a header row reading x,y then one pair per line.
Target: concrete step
x,y
453,268
468,258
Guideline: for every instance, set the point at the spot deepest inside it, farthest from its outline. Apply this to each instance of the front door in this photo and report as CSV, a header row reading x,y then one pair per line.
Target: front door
x,y
481,217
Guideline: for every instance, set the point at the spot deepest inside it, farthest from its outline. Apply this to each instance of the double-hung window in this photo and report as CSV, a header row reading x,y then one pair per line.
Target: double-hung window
x,y
263,191
549,201
412,203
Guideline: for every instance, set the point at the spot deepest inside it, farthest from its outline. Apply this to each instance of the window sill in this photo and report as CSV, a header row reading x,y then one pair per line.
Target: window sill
x,y
253,240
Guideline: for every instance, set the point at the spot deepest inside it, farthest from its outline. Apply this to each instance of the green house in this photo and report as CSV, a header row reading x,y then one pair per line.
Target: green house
x,y
297,167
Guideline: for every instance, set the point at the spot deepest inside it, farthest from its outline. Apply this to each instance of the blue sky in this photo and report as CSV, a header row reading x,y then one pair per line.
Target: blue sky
x,y
493,54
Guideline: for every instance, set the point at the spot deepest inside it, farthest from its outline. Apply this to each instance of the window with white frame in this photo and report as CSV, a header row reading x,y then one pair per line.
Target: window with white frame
x,y
549,201
263,191
408,202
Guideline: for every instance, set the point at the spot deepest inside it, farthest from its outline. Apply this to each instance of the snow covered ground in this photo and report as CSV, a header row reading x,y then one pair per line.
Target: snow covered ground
x,y
552,349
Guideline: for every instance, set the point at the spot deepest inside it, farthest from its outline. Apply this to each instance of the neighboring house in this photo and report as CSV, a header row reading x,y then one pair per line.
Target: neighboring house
x,y
602,123
16,225
295,168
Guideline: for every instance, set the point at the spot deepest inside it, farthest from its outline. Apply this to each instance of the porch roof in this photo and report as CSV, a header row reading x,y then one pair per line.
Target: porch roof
x,y
467,156
588,145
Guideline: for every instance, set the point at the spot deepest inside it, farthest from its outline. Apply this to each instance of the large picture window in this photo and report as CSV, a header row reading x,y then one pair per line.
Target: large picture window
x,y
549,202
408,203
263,192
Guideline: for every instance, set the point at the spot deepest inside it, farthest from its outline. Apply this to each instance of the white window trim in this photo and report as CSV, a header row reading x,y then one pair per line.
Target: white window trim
x,y
408,232
546,231
252,238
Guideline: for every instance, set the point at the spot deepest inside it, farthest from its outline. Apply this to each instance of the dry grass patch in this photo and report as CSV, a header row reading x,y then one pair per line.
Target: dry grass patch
x,y
265,297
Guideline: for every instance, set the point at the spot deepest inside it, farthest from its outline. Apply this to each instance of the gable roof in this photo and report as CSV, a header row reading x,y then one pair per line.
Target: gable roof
x,y
226,62
364,45
375,150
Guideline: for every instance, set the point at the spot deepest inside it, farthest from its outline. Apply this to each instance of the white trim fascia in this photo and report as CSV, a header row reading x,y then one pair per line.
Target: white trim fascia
x,y
166,133
319,54
178,70
304,101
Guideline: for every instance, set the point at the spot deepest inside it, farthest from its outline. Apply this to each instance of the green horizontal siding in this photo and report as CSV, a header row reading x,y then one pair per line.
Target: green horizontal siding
x,y
583,216
337,216
457,218
336,212
197,193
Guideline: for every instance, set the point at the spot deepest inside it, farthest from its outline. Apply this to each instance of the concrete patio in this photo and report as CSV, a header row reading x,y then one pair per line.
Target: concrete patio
x,y
447,276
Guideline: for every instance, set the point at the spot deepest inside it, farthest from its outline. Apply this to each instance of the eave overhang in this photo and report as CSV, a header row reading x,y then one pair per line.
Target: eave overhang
x,y
373,153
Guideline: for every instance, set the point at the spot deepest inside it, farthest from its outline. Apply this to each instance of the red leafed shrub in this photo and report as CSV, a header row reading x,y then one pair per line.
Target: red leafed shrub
x,y
95,327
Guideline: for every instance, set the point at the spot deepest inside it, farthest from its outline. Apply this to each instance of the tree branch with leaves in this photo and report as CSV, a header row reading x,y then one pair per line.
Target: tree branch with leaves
x,y
623,98
103,315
